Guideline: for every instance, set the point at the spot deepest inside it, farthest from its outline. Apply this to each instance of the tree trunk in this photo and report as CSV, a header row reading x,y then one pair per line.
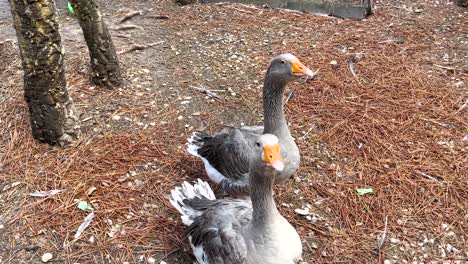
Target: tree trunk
x,y
105,70
53,119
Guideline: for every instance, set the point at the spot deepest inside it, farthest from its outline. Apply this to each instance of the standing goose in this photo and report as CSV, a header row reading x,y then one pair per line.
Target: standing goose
x,y
235,231
227,154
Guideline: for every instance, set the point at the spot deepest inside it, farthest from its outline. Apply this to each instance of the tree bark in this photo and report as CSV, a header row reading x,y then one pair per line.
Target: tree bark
x,y
105,69
52,115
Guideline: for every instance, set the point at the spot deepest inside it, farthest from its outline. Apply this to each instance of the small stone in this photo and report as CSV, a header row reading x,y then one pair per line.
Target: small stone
x,y
180,117
151,260
2,226
304,211
116,117
46,257
387,261
162,262
448,248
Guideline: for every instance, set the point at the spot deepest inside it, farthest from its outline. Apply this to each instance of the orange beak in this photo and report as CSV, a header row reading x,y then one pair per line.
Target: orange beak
x,y
300,70
272,156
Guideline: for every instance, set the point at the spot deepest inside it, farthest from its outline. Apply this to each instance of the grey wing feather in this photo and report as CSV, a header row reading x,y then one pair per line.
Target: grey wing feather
x,y
230,151
219,230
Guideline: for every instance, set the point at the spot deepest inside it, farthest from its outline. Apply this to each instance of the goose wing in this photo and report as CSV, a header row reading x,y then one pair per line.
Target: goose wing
x,y
230,151
219,231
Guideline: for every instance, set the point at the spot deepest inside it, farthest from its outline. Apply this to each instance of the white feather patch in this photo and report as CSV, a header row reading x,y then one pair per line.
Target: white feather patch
x,y
199,253
213,173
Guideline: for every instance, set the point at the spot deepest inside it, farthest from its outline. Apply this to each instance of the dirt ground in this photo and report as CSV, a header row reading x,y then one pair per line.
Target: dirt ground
x,y
400,126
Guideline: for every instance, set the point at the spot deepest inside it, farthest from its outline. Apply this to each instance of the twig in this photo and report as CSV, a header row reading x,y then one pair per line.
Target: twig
x,y
290,95
426,175
135,47
130,15
5,41
383,238
307,133
158,16
128,27
436,122
393,40
205,91
462,107
352,63
453,69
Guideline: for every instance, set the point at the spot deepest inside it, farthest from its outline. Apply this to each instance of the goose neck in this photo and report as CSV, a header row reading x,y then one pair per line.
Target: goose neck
x,y
274,119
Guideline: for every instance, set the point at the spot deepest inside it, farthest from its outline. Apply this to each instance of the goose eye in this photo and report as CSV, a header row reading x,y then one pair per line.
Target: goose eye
x,y
257,143
283,62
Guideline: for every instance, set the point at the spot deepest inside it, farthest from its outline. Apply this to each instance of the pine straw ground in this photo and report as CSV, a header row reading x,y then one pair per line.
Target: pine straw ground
x,y
399,127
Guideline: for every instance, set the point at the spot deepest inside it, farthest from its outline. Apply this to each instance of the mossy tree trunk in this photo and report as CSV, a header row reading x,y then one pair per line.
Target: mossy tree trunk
x,y
53,119
105,69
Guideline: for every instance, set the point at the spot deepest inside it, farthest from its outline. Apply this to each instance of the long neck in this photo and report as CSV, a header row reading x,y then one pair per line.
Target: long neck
x,y
274,120
264,207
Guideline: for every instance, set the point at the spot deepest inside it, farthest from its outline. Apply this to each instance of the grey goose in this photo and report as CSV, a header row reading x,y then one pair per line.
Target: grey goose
x,y
235,231
227,154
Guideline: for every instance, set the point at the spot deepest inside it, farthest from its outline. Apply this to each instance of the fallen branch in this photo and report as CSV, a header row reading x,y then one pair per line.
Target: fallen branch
x,y
130,15
205,91
135,47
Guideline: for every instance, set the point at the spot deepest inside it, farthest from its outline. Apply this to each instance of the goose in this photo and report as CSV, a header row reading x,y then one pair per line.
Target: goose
x,y
226,155
235,230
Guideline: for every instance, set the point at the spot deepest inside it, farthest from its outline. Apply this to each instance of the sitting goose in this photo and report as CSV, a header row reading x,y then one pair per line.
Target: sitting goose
x,y
248,231
227,154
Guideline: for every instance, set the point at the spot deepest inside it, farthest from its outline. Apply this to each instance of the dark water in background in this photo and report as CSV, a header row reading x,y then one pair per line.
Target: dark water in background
x,y
353,9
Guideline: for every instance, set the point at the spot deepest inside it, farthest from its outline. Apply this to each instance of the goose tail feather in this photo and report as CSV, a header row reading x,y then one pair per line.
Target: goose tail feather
x,y
180,197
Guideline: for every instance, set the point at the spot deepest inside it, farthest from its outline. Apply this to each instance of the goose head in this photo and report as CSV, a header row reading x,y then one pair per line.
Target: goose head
x,y
287,68
268,152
